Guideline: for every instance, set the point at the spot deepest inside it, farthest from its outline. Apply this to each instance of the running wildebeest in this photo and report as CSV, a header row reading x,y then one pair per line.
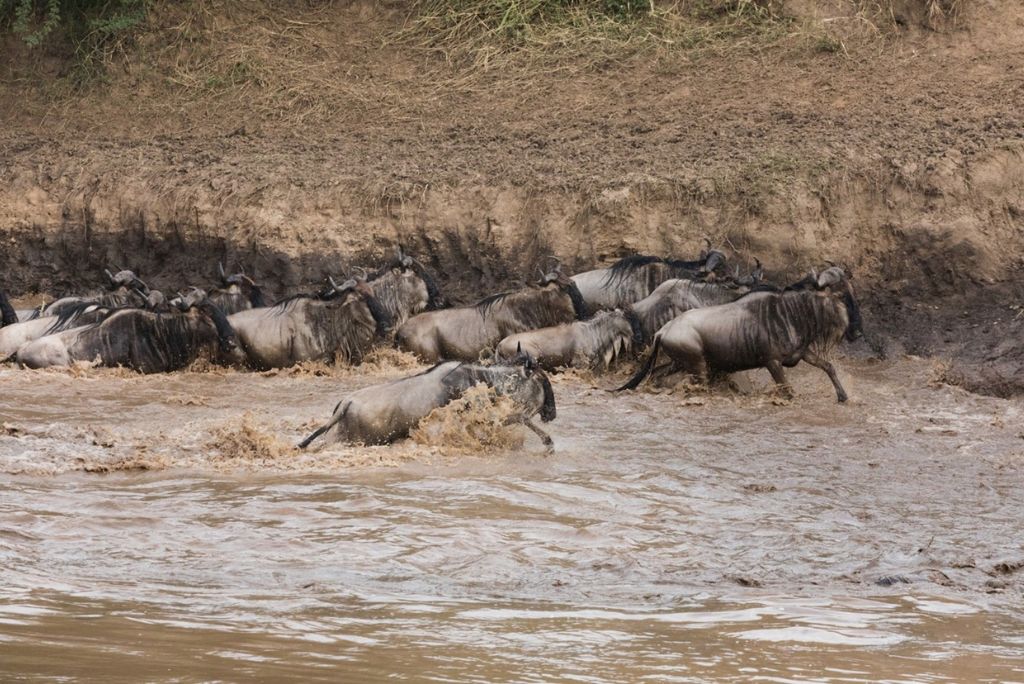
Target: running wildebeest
x,y
141,340
763,329
594,343
632,278
404,288
339,324
8,316
236,293
384,413
462,333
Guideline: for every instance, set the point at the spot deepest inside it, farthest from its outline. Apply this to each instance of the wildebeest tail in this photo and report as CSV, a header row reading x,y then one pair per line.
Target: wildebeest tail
x,y
646,369
331,423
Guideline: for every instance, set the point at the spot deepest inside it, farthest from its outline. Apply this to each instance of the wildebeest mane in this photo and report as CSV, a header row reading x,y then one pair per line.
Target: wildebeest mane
x,y
531,308
626,266
74,313
601,338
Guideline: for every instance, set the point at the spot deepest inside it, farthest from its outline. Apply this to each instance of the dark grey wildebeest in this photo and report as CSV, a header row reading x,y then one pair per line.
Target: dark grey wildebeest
x,y
763,329
462,333
384,413
404,288
631,279
595,343
141,340
339,324
236,293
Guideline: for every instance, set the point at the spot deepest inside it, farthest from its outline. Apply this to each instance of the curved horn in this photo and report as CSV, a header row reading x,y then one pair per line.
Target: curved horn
x,y
541,271
707,240
334,285
221,273
110,276
830,263
358,270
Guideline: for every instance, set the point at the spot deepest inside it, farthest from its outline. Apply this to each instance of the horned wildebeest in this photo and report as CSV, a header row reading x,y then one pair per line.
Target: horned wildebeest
x,y
384,413
632,278
674,296
763,330
236,293
594,343
404,288
141,340
462,333
339,324
8,316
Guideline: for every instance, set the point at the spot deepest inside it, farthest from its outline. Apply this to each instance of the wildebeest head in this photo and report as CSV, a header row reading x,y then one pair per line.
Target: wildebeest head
x,y
555,278
196,299
239,284
835,280
531,373
126,279
359,288
8,316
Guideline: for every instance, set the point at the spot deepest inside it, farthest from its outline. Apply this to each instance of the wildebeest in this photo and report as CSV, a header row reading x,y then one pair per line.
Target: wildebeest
x,y
594,343
236,293
8,316
675,296
632,278
339,324
141,340
404,288
462,333
384,413
13,337
763,330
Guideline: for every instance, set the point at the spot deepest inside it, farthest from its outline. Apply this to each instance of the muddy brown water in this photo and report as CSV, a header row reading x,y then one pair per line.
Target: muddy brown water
x,y
672,537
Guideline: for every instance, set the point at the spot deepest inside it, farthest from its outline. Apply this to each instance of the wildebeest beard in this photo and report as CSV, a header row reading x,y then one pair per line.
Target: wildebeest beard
x,y
8,316
434,298
809,316
346,328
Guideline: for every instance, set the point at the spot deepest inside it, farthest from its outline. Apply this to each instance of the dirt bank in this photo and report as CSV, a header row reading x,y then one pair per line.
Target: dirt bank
x,y
901,157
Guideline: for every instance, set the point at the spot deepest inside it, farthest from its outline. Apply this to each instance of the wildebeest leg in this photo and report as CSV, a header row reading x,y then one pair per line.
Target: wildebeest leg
x,y
549,444
826,365
779,376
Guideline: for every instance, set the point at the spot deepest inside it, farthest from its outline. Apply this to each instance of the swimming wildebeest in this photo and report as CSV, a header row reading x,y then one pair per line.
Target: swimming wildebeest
x,y
141,340
632,278
404,288
384,413
763,330
236,293
339,324
594,343
463,332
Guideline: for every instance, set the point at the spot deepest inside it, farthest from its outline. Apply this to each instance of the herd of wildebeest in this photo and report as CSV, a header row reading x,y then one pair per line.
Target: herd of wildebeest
x,y
701,315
